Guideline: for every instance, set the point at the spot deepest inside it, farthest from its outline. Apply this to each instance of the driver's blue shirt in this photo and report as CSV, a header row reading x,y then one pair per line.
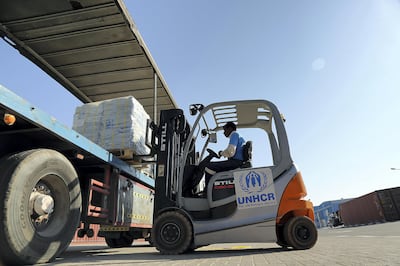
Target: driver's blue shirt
x,y
236,140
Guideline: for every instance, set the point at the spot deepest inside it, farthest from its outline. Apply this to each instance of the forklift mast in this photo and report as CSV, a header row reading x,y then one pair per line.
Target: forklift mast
x,y
170,135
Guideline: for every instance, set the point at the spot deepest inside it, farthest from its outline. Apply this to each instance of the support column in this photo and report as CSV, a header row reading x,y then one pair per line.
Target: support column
x,y
155,98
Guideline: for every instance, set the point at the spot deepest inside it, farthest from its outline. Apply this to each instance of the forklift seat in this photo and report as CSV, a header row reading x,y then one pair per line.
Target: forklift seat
x,y
247,154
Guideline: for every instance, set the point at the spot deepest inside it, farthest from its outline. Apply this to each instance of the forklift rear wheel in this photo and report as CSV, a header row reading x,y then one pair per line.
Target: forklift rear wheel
x,y
122,242
300,232
172,233
40,206
281,240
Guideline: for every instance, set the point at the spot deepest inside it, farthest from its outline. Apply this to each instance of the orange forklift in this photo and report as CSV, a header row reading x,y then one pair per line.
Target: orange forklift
x,y
247,204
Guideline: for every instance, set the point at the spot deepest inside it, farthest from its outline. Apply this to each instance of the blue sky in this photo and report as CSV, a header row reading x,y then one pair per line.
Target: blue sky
x,y
331,67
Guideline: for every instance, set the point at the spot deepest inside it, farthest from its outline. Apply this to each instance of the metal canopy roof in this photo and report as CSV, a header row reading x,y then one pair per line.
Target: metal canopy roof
x,y
91,47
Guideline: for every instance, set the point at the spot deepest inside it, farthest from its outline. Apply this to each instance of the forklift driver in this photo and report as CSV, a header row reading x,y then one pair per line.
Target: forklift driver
x,y
234,153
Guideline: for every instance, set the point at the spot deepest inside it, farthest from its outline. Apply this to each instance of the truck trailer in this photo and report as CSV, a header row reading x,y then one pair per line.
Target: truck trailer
x,y
54,179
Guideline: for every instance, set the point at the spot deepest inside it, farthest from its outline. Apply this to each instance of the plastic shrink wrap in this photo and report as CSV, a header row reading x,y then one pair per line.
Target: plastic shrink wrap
x,y
115,124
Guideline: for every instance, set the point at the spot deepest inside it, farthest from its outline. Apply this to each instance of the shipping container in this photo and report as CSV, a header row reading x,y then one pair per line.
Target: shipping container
x,y
376,207
390,202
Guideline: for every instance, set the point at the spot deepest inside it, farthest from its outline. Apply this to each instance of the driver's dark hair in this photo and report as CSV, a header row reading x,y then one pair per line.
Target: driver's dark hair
x,y
230,125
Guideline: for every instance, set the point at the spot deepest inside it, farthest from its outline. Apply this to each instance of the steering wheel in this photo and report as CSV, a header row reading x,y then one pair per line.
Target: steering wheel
x,y
213,153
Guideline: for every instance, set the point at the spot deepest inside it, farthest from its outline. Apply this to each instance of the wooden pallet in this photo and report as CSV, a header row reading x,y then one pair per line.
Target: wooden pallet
x,y
123,154
128,156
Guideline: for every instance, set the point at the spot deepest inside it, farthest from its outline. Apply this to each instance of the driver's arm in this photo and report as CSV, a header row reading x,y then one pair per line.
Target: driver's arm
x,y
228,152
231,149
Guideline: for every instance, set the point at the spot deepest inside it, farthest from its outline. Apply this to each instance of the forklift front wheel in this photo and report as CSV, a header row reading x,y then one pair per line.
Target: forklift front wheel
x,y
172,233
300,232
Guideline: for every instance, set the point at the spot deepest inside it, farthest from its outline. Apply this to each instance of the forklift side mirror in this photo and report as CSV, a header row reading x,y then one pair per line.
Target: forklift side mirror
x,y
194,108
193,111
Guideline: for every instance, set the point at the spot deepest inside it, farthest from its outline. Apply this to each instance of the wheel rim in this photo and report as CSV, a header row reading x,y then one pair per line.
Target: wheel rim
x,y
170,233
51,220
302,233
41,203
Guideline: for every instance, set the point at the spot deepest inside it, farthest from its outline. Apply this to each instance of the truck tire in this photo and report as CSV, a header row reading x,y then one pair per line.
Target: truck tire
x,y
172,233
300,232
122,242
28,234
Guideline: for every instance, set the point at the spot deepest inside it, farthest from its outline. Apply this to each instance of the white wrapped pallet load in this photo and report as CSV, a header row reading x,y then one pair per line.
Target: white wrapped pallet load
x,y
87,120
115,124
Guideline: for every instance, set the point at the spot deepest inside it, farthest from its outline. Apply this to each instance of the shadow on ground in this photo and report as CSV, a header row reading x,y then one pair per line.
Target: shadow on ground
x,y
146,253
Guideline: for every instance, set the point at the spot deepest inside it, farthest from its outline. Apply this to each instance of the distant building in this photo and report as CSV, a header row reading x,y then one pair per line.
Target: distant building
x,y
324,212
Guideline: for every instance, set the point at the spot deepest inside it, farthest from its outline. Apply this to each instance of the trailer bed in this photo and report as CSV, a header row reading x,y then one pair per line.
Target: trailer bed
x,y
34,128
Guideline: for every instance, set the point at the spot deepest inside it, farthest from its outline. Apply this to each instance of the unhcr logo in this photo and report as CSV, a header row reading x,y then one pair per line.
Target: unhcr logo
x,y
255,188
253,182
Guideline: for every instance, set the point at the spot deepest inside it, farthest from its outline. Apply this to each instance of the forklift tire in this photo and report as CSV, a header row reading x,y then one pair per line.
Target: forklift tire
x,y
280,238
123,242
172,233
300,232
27,237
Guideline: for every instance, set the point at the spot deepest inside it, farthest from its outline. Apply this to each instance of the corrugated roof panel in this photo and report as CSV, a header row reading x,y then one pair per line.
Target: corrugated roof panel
x,y
140,88
104,65
92,48
94,54
47,25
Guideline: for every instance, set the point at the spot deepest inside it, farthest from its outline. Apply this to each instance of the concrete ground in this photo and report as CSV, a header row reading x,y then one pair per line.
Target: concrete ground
x,y
365,245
